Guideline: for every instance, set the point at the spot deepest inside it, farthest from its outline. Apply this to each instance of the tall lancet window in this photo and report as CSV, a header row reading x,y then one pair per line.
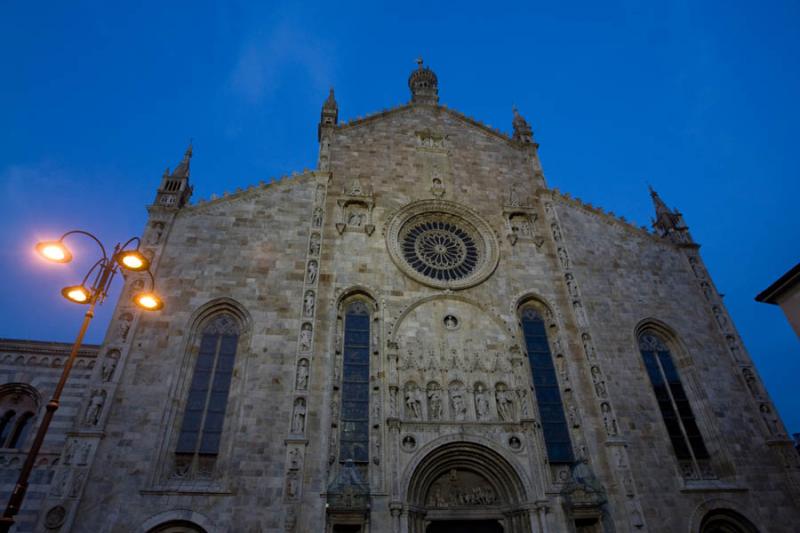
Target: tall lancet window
x,y
545,384
208,392
354,440
672,401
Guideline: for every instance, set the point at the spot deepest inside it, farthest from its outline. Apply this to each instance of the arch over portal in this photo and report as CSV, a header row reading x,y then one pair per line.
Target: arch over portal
x,y
466,480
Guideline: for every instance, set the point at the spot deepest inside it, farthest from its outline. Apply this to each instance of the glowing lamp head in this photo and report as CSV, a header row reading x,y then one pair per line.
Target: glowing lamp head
x,y
54,251
77,294
133,260
149,301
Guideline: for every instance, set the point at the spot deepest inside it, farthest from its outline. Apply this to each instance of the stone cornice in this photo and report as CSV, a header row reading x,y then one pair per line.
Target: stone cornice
x,y
46,347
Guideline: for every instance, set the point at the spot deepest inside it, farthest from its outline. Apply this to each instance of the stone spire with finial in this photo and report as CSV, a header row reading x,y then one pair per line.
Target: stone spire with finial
x,y
175,189
424,85
522,130
668,222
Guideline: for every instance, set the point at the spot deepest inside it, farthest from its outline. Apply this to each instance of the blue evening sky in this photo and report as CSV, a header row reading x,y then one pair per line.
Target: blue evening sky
x,y
698,98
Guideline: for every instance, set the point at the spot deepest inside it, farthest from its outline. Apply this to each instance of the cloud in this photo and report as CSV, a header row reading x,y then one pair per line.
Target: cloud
x,y
266,58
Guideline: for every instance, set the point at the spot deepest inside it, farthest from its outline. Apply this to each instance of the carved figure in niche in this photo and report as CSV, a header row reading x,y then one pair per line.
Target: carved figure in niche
x,y
356,218
413,405
564,258
450,322
505,403
299,416
561,367
308,303
580,314
706,290
772,422
572,287
588,347
156,232
457,401
548,209
332,446
521,225
311,272
302,375
481,402
124,326
335,408
320,194
721,320
437,189
61,485
316,217
313,247
434,402
294,459
599,382
514,443
608,419
98,399
305,337
556,231
752,383
409,443
572,411
109,365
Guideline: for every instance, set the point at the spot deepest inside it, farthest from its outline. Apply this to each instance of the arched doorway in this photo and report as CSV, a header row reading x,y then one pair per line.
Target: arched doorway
x,y
177,526
463,487
726,521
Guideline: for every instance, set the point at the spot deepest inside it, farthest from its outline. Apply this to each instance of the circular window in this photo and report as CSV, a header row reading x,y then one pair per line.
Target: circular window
x,y
442,244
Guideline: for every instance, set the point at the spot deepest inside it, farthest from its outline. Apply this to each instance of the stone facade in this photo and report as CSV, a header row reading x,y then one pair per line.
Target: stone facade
x,y
441,232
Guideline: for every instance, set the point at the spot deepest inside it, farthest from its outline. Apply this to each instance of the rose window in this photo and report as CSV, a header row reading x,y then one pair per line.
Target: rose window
x,y
441,244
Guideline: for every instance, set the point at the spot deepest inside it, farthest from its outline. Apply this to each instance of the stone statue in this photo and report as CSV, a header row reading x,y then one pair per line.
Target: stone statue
x,y
311,273
124,326
752,383
294,459
413,407
556,231
308,304
305,338
523,402
505,405
109,365
588,347
481,402
302,375
572,287
564,258
458,404
313,247
772,422
580,314
299,416
599,382
434,403
608,419
316,218
98,399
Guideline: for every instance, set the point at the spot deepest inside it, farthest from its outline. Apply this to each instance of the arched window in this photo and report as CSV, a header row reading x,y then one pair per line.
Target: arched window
x,y
726,521
354,438
673,403
545,384
18,405
208,392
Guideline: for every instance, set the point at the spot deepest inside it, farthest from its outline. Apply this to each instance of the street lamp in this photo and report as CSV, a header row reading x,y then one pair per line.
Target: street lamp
x,y
104,270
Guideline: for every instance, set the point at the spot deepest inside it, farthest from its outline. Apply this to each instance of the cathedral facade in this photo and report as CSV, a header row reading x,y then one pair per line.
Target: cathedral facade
x,y
418,336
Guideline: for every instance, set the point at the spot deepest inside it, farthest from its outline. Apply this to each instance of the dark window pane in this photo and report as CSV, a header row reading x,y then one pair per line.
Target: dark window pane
x,y
545,382
354,437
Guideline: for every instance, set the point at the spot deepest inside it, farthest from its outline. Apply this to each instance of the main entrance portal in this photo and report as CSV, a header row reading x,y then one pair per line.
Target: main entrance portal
x,y
463,487
465,526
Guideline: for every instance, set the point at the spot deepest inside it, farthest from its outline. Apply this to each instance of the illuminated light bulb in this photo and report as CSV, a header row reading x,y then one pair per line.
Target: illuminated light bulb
x,y
133,260
148,301
54,251
77,294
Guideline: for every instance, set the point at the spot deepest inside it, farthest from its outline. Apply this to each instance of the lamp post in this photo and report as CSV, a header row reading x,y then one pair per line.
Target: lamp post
x,y
104,271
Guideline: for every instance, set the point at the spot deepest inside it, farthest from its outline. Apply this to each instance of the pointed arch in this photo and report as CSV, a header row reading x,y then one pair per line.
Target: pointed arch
x,y
535,319
19,403
658,346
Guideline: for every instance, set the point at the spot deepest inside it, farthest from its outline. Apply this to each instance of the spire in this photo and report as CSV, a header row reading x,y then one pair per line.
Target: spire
x,y
669,222
182,170
424,85
175,190
329,116
522,130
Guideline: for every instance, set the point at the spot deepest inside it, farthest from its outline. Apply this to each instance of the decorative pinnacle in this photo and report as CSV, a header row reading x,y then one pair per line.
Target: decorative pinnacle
x,y
419,62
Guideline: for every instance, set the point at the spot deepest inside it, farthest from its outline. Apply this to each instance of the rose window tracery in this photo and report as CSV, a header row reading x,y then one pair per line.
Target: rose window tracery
x,y
440,250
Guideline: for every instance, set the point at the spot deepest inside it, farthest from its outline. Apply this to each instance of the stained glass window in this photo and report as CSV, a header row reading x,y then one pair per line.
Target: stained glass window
x,y
208,392
672,401
545,384
354,439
